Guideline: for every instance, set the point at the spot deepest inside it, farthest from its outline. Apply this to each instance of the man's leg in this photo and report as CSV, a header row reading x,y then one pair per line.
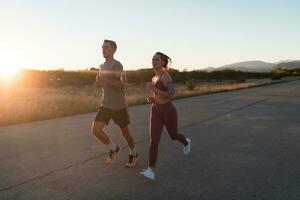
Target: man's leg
x,y
130,141
128,137
101,120
97,130
121,118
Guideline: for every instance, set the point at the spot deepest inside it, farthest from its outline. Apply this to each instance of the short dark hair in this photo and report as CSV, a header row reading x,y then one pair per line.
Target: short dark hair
x,y
112,43
164,58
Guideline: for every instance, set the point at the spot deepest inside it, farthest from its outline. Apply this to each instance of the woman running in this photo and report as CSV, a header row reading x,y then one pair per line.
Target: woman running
x,y
163,113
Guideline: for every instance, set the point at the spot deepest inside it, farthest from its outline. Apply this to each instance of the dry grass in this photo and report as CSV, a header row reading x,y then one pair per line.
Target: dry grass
x,y
211,88
31,104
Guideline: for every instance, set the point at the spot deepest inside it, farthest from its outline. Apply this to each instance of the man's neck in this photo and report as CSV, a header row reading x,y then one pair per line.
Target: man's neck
x,y
108,59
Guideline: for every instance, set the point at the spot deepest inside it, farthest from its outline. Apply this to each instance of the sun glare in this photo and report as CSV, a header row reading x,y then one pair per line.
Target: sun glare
x,y
7,74
9,68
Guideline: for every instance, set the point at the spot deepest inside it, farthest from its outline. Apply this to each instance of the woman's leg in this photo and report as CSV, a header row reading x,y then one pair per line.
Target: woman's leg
x,y
170,121
156,126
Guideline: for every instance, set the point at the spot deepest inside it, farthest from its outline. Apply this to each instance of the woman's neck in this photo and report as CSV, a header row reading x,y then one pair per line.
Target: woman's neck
x,y
159,71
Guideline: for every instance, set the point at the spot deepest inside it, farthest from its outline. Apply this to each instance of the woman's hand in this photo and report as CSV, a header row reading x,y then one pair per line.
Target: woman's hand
x,y
150,99
153,89
150,86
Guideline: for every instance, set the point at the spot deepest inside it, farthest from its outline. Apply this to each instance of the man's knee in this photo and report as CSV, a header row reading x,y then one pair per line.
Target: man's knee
x,y
97,127
125,131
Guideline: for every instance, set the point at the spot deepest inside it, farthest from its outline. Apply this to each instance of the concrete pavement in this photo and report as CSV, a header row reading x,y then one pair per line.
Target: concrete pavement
x,y
245,145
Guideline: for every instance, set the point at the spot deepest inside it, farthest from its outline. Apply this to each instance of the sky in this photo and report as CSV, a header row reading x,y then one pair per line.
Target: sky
x,y
55,34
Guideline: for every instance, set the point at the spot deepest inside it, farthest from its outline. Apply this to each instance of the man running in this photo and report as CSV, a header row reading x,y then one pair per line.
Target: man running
x,y
113,104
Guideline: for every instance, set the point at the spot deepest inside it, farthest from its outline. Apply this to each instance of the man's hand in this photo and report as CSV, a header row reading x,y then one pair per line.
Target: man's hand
x,y
117,84
99,80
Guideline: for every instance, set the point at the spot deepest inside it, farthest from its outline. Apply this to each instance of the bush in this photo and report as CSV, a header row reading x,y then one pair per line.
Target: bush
x,y
276,76
190,84
241,80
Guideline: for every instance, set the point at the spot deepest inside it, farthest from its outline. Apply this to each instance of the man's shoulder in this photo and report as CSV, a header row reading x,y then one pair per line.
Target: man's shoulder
x,y
117,65
112,65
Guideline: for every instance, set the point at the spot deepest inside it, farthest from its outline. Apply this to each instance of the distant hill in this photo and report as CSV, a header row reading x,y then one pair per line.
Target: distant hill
x,y
284,61
209,69
249,66
288,65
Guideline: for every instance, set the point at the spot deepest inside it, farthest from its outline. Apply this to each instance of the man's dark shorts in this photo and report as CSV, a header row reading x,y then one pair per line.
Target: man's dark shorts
x,y
120,117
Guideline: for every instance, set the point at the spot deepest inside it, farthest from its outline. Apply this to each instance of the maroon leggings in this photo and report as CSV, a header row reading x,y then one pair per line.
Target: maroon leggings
x,y
162,114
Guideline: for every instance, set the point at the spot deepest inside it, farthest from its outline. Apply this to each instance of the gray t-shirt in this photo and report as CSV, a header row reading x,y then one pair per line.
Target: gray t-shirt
x,y
112,97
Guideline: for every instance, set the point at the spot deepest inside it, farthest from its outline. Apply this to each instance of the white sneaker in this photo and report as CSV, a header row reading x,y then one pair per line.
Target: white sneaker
x,y
148,173
187,148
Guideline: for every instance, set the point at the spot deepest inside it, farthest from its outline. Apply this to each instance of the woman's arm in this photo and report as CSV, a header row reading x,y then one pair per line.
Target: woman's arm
x,y
151,97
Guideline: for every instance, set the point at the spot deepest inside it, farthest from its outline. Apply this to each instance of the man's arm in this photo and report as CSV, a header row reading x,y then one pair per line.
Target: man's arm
x,y
118,81
118,84
98,82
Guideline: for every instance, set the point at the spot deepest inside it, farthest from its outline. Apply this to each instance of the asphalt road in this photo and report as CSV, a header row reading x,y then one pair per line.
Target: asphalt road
x,y
245,145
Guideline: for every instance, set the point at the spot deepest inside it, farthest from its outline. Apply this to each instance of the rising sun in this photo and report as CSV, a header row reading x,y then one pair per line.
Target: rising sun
x,y
8,73
8,69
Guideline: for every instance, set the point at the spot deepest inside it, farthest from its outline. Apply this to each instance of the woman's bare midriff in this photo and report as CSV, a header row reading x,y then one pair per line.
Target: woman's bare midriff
x,y
160,99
